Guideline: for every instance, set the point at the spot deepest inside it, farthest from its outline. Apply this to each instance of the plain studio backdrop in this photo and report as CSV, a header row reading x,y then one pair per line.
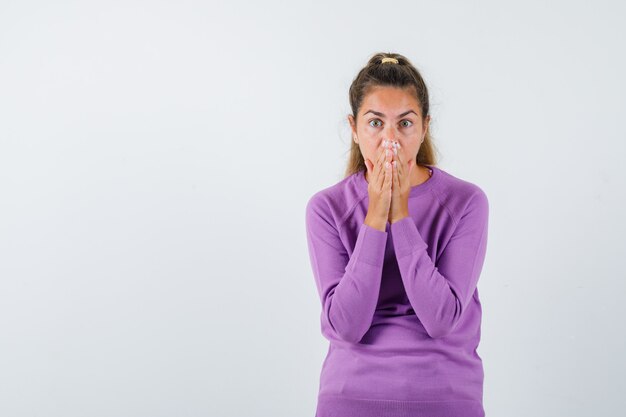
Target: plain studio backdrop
x,y
156,159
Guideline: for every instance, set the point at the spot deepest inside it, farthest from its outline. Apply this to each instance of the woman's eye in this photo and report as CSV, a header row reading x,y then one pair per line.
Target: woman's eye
x,y
407,123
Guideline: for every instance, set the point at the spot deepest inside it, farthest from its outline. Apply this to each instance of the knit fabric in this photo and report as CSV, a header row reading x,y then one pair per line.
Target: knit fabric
x,y
400,308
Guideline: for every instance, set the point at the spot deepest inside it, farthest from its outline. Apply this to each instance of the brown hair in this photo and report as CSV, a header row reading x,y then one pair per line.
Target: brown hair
x,y
401,75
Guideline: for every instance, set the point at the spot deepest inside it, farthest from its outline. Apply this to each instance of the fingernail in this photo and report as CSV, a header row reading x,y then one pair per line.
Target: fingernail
x,y
395,151
386,151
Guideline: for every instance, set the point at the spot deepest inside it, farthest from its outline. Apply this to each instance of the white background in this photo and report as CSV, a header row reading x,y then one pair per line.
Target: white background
x,y
155,162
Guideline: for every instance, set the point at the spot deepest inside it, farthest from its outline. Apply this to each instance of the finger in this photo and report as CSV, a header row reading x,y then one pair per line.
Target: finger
x,y
400,153
388,174
396,179
412,164
382,172
399,157
376,170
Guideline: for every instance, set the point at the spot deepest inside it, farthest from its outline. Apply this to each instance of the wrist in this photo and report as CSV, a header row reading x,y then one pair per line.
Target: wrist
x,y
398,217
376,222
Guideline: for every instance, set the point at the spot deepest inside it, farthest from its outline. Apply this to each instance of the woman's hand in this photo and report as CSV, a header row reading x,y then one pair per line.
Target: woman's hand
x,y
379,188
401,187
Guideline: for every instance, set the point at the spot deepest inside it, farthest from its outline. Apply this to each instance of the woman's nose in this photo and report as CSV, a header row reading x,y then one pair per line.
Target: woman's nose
x,y
390,134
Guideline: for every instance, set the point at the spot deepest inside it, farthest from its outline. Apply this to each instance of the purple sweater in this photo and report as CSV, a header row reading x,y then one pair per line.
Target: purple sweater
x,y
400,308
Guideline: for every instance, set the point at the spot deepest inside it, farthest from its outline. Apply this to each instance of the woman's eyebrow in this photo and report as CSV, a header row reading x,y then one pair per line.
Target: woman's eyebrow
x,y
382,115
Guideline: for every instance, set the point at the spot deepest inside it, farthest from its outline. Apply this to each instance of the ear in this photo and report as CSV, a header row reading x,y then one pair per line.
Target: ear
x,y
426,124
352,125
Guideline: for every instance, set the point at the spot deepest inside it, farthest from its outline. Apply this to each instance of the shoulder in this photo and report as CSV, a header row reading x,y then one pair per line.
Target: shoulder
x,y
460,196
335,202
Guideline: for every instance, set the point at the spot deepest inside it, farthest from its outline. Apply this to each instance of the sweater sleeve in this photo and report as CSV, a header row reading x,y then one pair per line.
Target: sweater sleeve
x,y
348,285
439,294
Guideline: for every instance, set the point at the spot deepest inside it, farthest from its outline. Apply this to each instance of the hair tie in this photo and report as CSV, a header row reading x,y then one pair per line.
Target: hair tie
x,y
387,59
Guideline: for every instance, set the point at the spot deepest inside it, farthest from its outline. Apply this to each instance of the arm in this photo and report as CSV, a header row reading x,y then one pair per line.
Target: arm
x,y
348,285
440,294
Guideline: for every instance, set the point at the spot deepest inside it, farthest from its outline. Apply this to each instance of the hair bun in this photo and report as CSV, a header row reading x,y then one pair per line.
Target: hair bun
x,y
388,59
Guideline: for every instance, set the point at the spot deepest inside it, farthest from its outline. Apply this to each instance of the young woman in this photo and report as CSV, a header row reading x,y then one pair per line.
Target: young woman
x,y
396,249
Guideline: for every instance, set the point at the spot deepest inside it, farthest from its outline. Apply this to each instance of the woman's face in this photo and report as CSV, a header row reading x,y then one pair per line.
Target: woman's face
x,y
389,113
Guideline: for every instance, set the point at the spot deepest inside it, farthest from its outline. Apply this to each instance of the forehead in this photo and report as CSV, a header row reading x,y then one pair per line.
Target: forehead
x,y
390,99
